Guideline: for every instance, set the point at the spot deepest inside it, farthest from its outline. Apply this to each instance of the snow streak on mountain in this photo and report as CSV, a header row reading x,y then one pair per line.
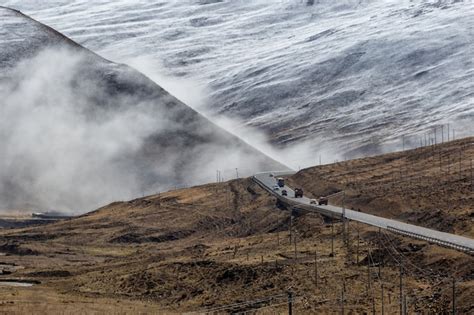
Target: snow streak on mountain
x,y
351,75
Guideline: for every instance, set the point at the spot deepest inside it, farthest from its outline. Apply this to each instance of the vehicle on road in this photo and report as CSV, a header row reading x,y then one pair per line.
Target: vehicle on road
x,y
281,182
313,202
276,187
271,175
298,192
323,201
284,192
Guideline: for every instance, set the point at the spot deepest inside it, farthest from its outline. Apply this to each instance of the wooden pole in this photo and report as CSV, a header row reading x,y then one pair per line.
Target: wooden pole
x,y
454,296
379,263
472,179
383,306
401,289
368,271
342,296
405,305
290,303
291,227
296,257
316,268
358,243
373,304
460,165
332,237
440,162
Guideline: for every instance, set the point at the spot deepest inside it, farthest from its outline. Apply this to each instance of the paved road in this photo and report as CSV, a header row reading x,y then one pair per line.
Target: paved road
x,y
445,239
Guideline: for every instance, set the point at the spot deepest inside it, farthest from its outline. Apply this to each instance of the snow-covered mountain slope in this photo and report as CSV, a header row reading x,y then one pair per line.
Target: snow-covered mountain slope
x,y
77,130
355,75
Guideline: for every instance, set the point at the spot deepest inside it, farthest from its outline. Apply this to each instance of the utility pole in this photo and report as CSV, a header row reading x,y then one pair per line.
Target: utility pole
x,y
344,228
296,257
460,165
405,305
237,173
449,164
379,245
401,289
472,179
342,295
332,237
403,142
290,303
368,271
291,228
448,132
440,162
454,296
316,268
373,304
383,306
358,243
442,133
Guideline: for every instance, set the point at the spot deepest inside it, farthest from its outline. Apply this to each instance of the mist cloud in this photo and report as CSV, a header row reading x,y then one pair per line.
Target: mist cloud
x,y
55,152
73,141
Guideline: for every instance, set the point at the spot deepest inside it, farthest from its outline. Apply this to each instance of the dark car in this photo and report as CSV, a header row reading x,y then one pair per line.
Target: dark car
x,y
323,201
298,192
284,192
281,182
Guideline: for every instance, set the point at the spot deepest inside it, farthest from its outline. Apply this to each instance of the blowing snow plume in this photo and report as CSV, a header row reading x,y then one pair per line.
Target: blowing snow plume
x,y
78,131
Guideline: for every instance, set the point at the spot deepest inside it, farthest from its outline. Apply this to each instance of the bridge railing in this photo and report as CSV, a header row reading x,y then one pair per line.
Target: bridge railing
x,y
433,240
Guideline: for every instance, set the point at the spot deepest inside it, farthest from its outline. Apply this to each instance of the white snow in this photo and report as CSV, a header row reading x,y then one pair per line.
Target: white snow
x,y
357,74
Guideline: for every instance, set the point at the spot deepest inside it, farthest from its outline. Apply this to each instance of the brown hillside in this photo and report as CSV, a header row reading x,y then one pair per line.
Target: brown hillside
x,y
219,244
430,186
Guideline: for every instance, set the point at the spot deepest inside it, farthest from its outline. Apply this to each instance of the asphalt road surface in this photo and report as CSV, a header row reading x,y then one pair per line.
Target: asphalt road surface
x,y
269,182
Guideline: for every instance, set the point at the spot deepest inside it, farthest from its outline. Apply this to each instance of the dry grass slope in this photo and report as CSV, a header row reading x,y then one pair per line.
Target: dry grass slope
x,y
219,244
430,186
